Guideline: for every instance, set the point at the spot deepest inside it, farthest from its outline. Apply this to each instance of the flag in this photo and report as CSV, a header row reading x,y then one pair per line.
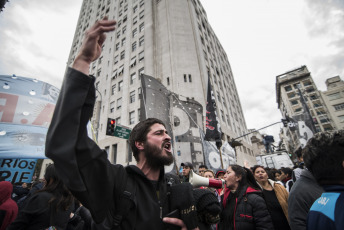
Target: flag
x,y
212,124
182,119
211,154
228,155
302,124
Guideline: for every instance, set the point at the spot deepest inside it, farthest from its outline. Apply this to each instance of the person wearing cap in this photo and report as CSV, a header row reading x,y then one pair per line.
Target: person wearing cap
x,y
187,166
220,174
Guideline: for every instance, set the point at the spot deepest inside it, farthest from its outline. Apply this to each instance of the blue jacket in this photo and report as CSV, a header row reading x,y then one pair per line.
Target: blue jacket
x,y
327,212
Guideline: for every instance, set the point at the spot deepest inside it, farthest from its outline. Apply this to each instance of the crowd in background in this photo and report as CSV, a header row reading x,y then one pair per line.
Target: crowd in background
x,y
254,198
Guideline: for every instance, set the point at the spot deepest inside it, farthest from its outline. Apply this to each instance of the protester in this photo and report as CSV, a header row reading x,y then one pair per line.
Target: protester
x,y
301,197
286,178
300,166
201,169
220,174
20,191
267,141
8,207
187,167
134,197
50,206
275,196
243,204
324,157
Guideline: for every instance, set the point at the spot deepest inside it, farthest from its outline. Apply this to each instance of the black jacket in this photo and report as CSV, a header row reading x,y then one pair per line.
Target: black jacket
x,y
301,197
95,182
250,211
39,214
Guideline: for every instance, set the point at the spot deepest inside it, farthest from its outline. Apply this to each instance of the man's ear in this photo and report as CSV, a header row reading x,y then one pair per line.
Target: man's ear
x,y
139,145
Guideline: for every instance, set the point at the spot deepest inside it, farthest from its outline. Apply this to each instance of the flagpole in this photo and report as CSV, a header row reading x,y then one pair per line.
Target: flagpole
x,y
221,157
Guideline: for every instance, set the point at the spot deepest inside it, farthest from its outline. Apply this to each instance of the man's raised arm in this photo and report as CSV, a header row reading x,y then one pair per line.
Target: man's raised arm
x,y
92,44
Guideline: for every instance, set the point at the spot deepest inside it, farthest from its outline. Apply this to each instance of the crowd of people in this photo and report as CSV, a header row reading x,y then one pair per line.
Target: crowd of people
x,y
83,190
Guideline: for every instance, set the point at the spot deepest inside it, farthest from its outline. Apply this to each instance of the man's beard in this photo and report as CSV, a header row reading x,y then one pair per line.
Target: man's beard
x,y
154,156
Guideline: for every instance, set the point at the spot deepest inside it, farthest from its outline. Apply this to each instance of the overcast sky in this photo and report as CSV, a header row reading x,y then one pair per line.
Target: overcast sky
x,y
262,39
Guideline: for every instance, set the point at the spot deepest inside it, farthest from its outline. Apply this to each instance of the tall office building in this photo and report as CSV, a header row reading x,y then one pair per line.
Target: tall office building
x,y
289,103
334,99
173,42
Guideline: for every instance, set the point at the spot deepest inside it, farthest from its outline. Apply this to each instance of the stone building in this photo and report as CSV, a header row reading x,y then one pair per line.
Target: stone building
x,y
171,41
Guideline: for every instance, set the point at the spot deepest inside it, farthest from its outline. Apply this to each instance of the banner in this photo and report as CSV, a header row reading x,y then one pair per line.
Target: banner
x,y
302,124
211,154
213,129
26,109
182,119
17,170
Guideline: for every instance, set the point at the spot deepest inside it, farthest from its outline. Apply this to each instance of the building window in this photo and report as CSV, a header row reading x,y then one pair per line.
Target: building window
x,y
142,14
135,9
142,2
141,41
190,80
294,102
131,117
141,71
124,29
118,120
297,85
134,20
99,72
341,118
133,47
119,103
287,88
117,46
142,27
113,89
120,86
112,107
298,110
185,80
132,62
339,107
141,56
222,116
123,41
116,59
134,32
118,34
138,114
125,18
122,55
132,78
132,97
334,96
168,81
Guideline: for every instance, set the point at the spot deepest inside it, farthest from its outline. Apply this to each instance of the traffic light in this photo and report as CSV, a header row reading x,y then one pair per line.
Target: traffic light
x,y
110,127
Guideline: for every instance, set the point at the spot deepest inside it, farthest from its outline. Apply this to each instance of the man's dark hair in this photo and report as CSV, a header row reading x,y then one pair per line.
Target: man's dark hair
x,y
139,133
203,166
286,171
324,155
247,177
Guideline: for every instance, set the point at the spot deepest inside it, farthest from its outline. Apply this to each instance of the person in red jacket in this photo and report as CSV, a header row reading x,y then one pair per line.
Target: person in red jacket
x,y
8,207
243,205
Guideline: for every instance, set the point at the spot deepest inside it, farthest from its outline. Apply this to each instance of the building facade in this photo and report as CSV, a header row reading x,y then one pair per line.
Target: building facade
x,y
171,41
288,100
334,100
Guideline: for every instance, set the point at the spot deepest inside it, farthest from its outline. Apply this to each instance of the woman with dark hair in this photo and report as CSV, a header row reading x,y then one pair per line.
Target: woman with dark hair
x,y
243,206
275,196
51,206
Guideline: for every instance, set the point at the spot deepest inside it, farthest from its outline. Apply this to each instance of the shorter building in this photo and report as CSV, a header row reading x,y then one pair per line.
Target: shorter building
x,y
333,97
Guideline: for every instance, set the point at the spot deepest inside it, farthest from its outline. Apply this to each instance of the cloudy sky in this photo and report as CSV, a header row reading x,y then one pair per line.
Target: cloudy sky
x,y
262,38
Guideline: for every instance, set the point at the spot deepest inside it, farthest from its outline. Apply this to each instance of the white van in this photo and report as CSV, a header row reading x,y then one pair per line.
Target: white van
x,y
276,160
